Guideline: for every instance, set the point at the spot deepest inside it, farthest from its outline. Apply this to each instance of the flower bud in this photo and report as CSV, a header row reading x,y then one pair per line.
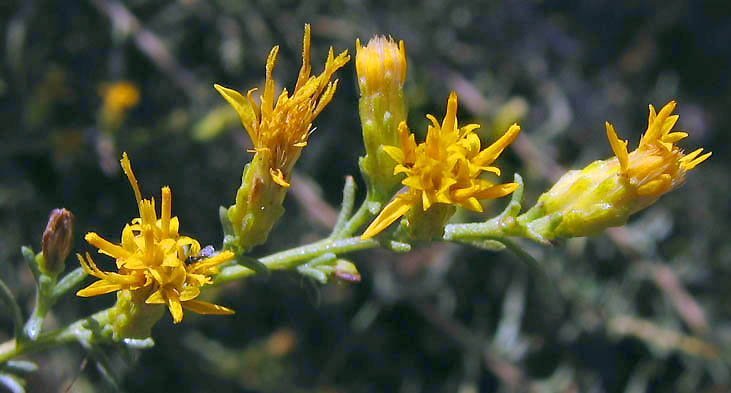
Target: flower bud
x,y
57,241
607,192
346,271
381,68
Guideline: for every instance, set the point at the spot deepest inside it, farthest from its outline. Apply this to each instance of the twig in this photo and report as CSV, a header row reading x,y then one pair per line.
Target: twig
x,y
149,44
307,196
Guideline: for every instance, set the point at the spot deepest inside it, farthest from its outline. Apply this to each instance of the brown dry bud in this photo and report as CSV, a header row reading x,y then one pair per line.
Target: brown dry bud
x,y
57,240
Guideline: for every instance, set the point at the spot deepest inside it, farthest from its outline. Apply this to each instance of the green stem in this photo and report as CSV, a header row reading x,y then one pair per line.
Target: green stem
x,y
477,230
499,227
11,349
365,212
294,257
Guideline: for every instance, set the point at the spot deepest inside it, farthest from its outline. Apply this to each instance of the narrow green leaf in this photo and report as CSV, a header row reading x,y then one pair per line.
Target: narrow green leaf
x,y
20,367
252,263
30,259
318,275
69,281
347,208
228,229
7,298
12,382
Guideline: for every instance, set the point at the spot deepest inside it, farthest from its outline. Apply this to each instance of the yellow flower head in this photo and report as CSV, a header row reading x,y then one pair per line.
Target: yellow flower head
x,y
154,261
657,165
444,169
606,192
380,65
119,96
280,130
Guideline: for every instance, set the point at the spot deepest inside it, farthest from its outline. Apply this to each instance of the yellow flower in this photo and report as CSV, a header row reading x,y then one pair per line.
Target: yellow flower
x,y
119,96
443,170
154,260
607,192
280,131
657,165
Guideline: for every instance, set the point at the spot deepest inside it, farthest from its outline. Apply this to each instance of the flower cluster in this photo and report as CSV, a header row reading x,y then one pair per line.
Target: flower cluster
x,y
445,169
154,261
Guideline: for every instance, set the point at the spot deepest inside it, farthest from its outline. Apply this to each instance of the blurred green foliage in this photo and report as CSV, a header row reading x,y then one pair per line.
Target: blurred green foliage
x,y
643,308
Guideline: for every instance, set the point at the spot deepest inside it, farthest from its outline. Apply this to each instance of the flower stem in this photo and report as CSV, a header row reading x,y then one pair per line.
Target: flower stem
x,y
294,257
11,348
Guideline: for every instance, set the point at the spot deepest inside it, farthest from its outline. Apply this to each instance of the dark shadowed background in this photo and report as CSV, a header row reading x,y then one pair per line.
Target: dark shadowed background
x,y
643,308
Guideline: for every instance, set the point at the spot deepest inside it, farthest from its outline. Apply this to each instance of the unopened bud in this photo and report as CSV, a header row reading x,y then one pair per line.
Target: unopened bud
x,y
606,192
380,65
381,69
57,241
346,271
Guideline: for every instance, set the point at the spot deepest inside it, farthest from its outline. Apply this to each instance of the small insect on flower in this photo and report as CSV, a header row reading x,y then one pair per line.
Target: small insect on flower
x,y
206,252
154,261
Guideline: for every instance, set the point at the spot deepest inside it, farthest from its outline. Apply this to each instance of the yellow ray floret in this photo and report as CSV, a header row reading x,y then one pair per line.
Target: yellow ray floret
x,y
444,169
657,165
281,129
154,258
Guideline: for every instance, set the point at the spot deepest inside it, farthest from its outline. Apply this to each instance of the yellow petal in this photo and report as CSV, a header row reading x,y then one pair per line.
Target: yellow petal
x,y
669,124
242,106
206,308
176,310
690,161
127,168
654,129
165,211
278,177
426,200
674,136
471,204
619,147
105,246
394,152
491,153
189,293
392,212
497,191
156,298
450,118
100,287
658,186
304,74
